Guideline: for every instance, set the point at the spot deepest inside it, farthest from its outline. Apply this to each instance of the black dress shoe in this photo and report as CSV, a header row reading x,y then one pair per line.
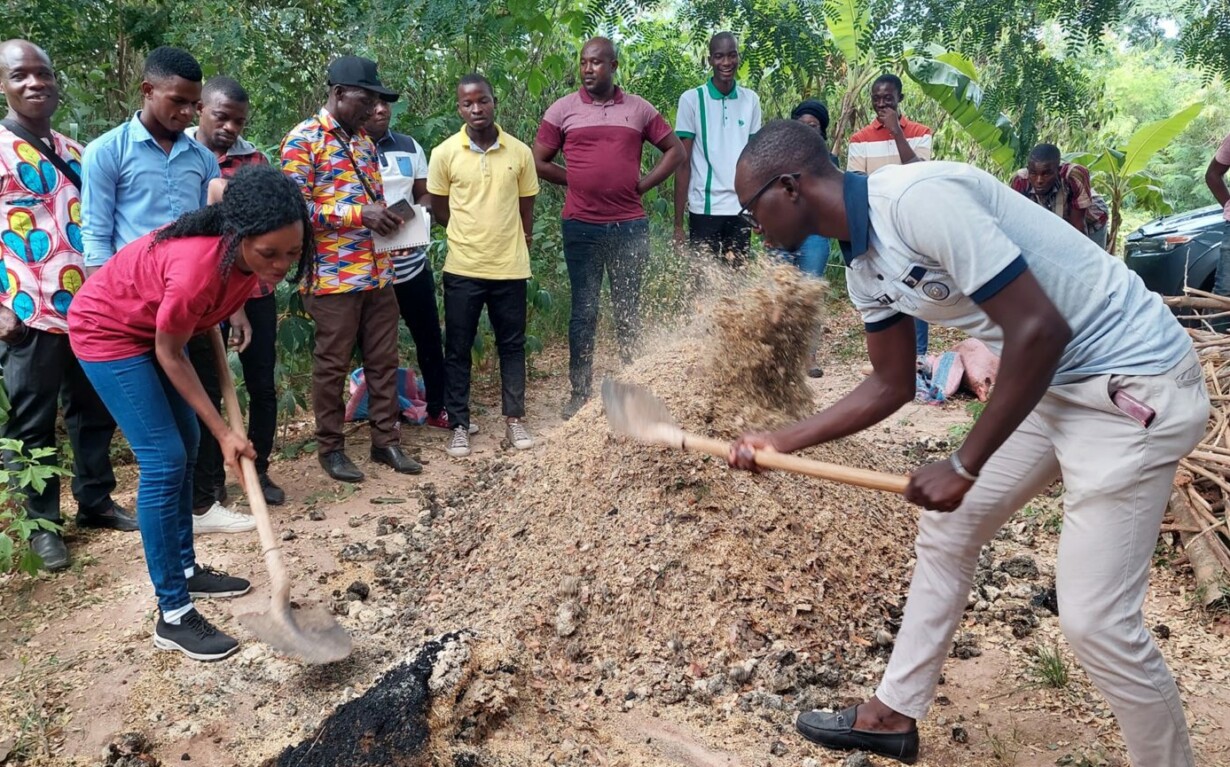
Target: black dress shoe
x,y
337,465
395,459
50,548
114,518
836,731
274,496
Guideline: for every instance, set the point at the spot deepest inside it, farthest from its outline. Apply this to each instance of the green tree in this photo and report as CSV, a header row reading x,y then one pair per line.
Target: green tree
x,y
1122,175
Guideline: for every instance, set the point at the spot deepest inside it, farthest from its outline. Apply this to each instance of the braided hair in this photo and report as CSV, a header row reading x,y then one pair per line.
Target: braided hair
x,y
258,200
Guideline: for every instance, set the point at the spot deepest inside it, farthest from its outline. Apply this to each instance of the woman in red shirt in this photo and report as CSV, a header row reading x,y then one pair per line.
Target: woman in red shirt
x,y
129,325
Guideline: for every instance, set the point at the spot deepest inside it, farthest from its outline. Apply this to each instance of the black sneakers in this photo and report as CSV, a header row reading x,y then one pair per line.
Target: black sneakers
x,y
194,637
274,495
208,582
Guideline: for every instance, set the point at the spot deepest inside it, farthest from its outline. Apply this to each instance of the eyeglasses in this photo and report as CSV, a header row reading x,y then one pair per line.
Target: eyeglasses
x,y
746,212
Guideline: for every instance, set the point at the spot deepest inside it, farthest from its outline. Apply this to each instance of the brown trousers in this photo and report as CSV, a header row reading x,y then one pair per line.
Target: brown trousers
x,y
368,318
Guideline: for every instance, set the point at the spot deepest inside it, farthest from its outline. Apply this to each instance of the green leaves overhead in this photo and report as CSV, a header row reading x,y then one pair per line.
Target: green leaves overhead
x,y
951,80
848,22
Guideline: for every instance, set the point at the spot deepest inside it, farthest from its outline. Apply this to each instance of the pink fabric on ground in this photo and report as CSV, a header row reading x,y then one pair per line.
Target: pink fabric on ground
x,y
981,367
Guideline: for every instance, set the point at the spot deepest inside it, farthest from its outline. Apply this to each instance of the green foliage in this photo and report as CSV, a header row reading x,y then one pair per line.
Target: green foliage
x,y
958,432
848,22
1205,40
22,470
1121,175
1049,668
952,81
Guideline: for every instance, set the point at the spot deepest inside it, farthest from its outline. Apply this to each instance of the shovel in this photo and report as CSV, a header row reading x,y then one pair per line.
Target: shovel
x,y
308,633
634,412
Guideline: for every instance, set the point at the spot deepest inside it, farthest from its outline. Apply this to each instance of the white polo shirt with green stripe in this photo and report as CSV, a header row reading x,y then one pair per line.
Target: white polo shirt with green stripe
x,y
719,127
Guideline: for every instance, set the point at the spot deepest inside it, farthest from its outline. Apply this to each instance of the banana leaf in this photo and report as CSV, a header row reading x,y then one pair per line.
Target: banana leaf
x,y
1147,190
1152,137
847,21
950,80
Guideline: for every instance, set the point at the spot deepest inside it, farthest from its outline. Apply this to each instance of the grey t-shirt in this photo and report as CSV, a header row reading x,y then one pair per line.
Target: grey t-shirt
x,y
938,238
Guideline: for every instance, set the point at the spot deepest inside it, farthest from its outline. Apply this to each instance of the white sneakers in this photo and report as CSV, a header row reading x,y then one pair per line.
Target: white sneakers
x,y
517,434
459,445
220,519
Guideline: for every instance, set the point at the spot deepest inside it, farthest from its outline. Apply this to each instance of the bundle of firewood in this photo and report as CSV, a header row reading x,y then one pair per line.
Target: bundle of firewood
x,y
1197,512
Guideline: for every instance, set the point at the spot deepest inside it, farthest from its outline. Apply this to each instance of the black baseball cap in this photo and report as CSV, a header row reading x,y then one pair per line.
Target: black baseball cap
x,y
359,72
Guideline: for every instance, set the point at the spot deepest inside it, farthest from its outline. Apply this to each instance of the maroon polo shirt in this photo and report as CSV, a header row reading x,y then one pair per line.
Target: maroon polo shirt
x,y
602,144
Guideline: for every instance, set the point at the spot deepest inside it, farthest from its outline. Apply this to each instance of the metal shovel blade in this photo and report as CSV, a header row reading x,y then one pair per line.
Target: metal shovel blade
x,y
633,411
309,633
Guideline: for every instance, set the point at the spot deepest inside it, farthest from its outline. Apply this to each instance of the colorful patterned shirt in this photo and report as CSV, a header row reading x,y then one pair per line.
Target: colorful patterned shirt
x,y
40,232
319,156
1073,188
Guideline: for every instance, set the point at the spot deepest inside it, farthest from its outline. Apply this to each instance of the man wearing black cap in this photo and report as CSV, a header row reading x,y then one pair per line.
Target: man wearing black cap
x,y
351,294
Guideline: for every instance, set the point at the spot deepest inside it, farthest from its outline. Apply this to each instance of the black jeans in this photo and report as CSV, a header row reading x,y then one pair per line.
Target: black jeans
x,y
209,475
209,478
416,299
464,298
258,361
40,373
727,238
622,250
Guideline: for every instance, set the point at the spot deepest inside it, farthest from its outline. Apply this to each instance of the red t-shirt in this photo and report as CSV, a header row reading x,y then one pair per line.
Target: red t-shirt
x,y
602,145
175,286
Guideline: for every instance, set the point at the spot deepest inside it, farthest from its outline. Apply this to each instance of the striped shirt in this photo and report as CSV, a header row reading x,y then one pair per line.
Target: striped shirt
x,y
873,147
720,126
602,143
402,161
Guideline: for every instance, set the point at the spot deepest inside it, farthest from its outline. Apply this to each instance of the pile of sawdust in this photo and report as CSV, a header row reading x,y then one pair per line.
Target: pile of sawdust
x,y
623,575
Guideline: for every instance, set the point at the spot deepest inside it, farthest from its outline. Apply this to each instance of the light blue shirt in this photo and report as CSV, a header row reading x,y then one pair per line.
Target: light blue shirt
x,y
131,186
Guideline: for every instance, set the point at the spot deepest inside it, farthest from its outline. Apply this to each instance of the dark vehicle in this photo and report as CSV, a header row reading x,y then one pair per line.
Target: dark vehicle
x,y
1174,252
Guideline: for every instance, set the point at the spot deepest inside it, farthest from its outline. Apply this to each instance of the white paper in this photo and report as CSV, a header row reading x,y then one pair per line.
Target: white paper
x,y
414,233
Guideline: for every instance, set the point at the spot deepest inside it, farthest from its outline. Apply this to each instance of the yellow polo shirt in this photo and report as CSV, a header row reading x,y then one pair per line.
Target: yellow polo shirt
x,y
484,190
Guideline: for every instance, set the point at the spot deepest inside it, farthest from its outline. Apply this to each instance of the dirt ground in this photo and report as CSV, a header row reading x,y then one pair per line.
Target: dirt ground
x,y
80,670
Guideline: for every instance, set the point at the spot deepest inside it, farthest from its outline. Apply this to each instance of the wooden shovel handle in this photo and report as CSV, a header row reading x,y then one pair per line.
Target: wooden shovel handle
x,y
874,480
251,482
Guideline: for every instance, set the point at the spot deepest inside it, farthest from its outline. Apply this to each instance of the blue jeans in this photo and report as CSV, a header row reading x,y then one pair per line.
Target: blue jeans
x,y
922,334
812,257
163,432
621,250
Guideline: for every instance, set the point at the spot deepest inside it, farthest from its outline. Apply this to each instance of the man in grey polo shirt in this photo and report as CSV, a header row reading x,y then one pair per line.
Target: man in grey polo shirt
x,y
1098,384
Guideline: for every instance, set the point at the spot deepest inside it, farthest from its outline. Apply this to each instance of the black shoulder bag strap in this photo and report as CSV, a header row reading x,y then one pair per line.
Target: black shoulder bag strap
x,y
44,150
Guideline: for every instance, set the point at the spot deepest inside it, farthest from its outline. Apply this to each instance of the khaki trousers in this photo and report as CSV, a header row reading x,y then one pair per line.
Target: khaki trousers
x,y
1117,475
368,318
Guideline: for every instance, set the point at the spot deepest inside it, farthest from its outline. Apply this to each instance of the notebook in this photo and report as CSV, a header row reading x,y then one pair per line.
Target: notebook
x,y
414,233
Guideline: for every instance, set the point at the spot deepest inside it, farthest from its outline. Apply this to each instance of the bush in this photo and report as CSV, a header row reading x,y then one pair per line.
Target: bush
x,y
18,472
